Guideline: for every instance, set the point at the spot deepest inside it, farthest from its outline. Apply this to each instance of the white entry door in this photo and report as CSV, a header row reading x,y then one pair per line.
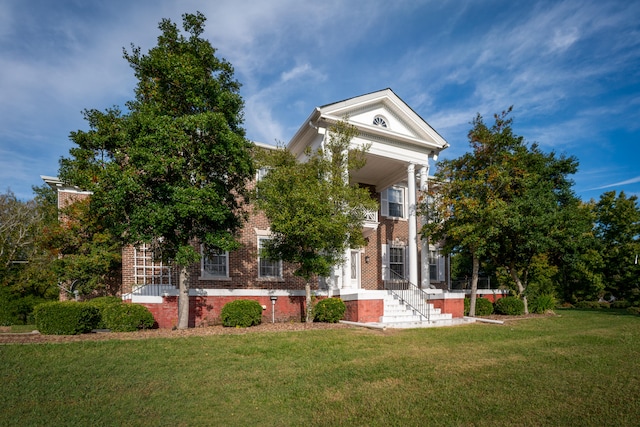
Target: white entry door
x,y
355,269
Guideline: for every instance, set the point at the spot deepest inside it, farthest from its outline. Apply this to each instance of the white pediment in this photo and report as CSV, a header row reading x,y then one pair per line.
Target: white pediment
x,y
399,118
399,138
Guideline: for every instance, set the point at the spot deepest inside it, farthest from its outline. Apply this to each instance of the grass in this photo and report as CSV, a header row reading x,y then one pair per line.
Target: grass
x,y
577,368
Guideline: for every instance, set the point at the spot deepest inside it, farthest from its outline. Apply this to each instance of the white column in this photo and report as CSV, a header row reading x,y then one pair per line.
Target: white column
x,y
413,234
424,254
346,270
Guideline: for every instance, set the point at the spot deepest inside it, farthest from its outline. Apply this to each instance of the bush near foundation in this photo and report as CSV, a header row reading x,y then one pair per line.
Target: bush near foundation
x,y
101,303
511,306
484,307
126,317
65,318
241,313
329,310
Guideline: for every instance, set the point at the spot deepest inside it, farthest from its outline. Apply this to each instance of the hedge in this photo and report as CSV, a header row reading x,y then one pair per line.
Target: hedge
x,y
511,306
101,303
241,313
329,310
126,317
66,317
484,307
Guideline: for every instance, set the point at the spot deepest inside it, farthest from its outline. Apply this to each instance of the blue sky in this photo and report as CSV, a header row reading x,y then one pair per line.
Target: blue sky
x,y
571,69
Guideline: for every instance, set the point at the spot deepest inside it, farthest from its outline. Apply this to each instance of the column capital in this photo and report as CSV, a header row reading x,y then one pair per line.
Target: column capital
x,y
411,168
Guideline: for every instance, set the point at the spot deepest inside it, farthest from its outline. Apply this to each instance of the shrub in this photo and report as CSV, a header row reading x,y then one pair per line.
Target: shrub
x,y
589,304
101,303
17,309
241,313
634,310
512,306
542,303
126,317
65,318
329,310
620,304
484,307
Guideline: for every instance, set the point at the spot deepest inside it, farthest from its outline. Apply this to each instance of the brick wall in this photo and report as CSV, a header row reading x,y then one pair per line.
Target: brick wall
x,y
205,310
364,310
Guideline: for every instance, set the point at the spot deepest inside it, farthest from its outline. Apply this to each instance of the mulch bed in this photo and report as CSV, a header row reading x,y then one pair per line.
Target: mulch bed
x,y
27,338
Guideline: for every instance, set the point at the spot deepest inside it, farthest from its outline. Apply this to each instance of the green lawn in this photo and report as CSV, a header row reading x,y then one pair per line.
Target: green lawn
x,y
577,368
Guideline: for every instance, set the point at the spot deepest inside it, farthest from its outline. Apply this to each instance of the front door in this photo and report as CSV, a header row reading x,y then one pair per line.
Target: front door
x,y
355,269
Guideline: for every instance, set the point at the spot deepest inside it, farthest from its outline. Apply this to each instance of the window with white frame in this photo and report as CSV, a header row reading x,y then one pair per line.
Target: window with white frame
x,y
215,264
393,202
433,266
147,270
267,268
394,261
436,266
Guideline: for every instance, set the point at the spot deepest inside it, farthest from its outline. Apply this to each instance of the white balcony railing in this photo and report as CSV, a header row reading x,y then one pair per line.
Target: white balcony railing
x,y
371,216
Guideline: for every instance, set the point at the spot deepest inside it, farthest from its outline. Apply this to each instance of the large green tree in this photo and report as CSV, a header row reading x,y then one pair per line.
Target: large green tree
x,y
315,214
175,167
618,231
503,200
577,256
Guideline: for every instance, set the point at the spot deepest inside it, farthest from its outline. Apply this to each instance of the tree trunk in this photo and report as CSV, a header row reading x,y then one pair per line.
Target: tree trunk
x,y
309,308
474,285
521,288
183,298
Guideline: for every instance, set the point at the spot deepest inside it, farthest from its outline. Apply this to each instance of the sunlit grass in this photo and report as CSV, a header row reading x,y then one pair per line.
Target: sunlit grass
x,y
577,368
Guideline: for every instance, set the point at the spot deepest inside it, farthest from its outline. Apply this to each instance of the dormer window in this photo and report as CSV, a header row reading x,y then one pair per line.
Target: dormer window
x,y
380,121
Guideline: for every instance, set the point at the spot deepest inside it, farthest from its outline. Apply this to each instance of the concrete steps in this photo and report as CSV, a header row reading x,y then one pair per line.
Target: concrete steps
x,y
397,313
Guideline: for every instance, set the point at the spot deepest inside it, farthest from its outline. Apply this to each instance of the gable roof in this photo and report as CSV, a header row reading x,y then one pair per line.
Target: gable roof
x,y
402,123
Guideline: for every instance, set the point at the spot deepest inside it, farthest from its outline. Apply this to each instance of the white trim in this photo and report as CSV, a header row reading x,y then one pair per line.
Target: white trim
x,y
262,233
251,292
384,202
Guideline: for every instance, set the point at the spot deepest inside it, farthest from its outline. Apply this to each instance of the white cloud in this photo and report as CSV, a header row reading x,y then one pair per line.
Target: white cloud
x,y
619,184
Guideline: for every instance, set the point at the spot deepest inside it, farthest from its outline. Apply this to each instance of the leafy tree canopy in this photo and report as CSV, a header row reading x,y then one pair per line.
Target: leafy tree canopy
x,y
175,166
315,215
502,201
617,228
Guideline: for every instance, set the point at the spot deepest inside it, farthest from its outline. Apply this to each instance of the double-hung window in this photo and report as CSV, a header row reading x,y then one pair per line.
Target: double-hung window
x,y
267,267
394,261
436,266
215,264
393,202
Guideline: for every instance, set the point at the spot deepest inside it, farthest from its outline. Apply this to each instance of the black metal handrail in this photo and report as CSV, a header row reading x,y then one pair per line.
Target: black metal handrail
x,y
410,294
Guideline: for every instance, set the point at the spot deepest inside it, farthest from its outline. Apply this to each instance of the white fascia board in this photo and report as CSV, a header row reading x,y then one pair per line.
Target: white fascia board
x,y
265,146
55,183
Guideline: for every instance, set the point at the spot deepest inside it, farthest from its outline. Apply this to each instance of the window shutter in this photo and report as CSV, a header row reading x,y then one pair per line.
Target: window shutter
x,y
384,203
385,261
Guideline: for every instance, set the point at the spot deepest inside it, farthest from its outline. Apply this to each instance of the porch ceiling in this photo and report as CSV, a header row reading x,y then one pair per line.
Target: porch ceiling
x,y
380,172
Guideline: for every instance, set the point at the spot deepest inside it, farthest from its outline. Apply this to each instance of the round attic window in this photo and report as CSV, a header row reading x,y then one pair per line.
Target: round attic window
x,y
380,121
